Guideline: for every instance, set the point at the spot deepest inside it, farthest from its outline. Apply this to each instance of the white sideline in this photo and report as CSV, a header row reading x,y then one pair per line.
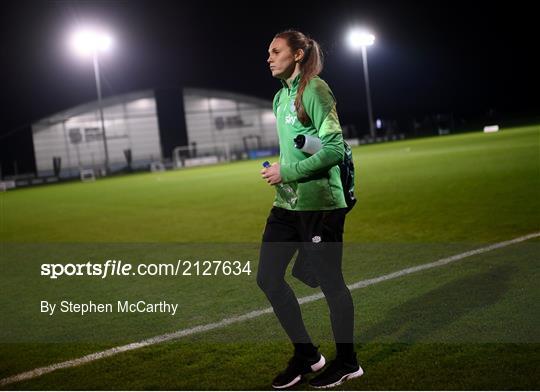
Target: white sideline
x,y
247,316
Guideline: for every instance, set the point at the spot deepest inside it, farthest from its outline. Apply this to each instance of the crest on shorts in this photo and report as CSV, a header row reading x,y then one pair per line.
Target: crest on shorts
x,y
316,239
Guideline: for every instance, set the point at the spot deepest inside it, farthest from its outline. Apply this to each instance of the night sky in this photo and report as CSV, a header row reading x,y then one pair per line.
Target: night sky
x,y
464,58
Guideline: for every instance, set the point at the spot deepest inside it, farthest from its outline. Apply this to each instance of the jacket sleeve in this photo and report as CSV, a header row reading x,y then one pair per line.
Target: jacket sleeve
x,y
320,105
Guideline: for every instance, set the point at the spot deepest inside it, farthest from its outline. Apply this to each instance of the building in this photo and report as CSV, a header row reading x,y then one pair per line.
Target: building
x,y
153,126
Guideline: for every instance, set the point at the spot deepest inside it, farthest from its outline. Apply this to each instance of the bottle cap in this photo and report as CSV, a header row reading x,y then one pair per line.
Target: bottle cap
x,y
299,141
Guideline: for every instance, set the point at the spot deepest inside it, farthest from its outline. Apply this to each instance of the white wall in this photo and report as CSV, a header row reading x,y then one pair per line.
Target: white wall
x,y
212,117
78,138
221,117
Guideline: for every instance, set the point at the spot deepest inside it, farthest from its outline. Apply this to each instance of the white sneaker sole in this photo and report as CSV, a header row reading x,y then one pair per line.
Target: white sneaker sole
x,y
319,365
315,367
293,382
346,377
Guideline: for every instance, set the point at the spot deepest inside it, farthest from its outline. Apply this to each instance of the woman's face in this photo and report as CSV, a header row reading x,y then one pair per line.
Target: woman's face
x,y
281,59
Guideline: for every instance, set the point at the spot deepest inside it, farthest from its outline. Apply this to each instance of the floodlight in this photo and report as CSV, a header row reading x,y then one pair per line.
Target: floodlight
x,y
90,41
360,38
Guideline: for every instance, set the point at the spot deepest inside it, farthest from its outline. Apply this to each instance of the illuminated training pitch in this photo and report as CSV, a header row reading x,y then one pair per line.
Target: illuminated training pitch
x,y
466,324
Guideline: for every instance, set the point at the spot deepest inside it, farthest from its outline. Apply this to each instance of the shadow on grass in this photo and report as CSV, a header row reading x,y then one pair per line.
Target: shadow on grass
x,y
419,318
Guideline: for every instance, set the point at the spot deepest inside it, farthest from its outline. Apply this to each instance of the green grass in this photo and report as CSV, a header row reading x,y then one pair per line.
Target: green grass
x,y
472,324
420,190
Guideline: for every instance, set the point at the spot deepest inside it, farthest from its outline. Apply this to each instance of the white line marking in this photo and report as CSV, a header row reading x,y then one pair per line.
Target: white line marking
x,y
248,316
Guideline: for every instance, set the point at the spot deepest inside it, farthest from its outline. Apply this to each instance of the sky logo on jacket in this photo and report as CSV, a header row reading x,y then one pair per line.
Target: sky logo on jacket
x,y
290,119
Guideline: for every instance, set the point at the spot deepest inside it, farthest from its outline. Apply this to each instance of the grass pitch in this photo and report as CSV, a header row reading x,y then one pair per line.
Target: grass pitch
x,y
472,324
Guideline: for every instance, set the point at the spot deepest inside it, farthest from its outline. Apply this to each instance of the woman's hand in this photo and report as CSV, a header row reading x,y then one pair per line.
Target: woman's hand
x,y
271,174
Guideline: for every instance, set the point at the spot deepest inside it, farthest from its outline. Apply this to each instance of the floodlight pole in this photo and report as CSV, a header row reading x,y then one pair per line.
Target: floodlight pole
x,y
100,107
368,94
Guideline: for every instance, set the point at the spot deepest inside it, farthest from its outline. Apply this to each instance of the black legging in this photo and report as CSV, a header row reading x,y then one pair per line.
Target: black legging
x,y
287,231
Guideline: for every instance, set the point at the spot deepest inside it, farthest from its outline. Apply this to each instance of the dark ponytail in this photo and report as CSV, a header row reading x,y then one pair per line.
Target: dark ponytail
x,y
311,65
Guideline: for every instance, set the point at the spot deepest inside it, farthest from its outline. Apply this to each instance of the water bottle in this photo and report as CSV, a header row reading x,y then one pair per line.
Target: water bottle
x,y
286,192
306,143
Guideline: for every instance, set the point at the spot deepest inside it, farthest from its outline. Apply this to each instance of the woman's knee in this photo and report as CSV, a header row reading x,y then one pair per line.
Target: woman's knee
x,y
335,288
269,283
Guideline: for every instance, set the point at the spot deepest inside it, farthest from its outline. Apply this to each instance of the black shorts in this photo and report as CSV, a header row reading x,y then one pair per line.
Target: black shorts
x,y
317,235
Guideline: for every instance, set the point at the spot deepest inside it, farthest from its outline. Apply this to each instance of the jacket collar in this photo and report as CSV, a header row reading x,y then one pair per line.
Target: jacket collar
x,y
294,84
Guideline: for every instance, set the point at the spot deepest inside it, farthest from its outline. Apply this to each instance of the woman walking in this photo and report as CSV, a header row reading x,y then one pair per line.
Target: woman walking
x,y
312,222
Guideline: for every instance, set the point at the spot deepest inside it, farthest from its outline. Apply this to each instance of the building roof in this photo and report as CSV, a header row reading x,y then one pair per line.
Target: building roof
x,y
132,96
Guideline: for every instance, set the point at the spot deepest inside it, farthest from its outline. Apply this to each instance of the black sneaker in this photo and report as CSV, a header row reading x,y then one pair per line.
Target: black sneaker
x,y
336,373
298,366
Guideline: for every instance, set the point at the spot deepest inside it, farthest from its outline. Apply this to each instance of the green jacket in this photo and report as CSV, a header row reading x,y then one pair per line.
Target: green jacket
x,y
316,178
